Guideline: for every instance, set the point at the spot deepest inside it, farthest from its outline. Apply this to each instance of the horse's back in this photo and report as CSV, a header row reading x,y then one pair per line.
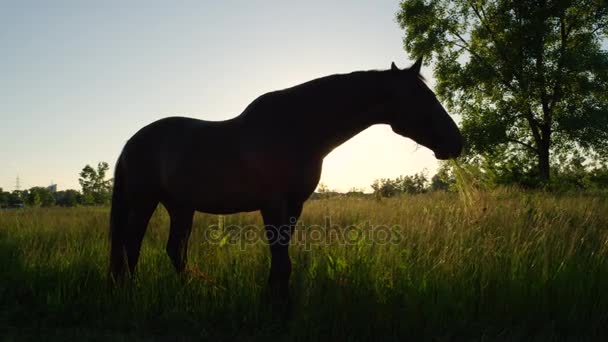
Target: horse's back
x,y
152,154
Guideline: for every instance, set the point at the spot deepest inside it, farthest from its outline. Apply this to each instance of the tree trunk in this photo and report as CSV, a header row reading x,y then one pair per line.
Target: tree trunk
x,y
543,163
544,146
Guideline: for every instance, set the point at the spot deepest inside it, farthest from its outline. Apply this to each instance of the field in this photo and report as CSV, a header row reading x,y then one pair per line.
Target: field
x,y
503,265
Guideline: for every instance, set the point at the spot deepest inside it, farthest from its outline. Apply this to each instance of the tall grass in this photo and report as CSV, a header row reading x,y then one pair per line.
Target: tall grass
x,y
500,265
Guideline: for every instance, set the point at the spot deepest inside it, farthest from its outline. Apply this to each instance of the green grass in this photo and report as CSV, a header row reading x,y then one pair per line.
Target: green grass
x,y
502,265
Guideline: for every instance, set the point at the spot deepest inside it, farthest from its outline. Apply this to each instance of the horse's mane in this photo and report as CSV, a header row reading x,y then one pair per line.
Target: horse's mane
x,y
331,85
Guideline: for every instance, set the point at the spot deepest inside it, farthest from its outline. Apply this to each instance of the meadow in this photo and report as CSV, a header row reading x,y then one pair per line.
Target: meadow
x,y
498,265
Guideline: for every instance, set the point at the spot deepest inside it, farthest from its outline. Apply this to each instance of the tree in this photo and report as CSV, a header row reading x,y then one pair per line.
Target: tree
x,y
16,199
39,196
33,199
68,198
323,191
3,198
415,184
95,188
528,77
322,188
444,178
385,187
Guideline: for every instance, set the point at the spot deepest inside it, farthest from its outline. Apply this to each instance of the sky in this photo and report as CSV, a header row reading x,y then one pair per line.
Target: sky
x,y
81,77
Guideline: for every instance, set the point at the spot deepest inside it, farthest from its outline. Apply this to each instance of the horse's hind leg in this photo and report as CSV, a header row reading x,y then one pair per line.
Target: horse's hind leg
x,y
179,233
139,216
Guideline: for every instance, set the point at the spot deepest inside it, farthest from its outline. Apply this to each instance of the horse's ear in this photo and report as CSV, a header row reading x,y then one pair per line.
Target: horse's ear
x,y
394,67
417,66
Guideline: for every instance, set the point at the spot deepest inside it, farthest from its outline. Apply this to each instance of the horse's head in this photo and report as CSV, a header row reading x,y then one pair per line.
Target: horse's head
x,y
416,113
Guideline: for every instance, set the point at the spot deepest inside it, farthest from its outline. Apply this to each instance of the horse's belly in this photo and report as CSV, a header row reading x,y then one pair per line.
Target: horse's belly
x,y
249,183
219,192
223,209
229,199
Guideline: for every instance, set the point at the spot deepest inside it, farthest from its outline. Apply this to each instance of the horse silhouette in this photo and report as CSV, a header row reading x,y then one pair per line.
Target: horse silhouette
x,y
269,158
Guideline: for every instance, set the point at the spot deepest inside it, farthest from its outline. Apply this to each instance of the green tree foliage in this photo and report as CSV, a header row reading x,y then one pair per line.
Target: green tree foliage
x,y
16,199
3,198
528,77
68,198
95,188
385,187
576,173
444,179
415,184
39,196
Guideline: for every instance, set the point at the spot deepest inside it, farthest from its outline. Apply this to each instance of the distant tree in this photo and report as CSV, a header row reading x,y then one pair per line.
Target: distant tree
x,y
16,198
95,188
3,198
39,196
68,198
414,184
355,192
33,199
322,188
385,187
575,173
444,179
323,191
529,78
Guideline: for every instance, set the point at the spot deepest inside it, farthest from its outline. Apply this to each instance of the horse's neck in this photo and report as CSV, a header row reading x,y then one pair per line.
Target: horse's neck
x,y
362,104
320,115
333,135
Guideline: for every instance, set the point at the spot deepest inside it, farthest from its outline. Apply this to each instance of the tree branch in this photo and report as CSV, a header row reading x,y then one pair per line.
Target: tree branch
x,y
530,147
564,32
534,127
482,60
599,27
483,19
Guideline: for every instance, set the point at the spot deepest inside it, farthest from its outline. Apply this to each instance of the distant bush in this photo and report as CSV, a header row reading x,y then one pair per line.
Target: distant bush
x,y
572,174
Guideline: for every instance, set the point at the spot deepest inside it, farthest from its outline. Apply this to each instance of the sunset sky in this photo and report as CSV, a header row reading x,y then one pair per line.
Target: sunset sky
x,y
80,77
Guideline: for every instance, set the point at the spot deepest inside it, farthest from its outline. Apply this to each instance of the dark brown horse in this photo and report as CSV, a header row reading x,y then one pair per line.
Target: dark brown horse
x,y
268,158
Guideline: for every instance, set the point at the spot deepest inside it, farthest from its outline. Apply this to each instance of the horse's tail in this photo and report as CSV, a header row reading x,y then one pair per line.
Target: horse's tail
x,y
118,224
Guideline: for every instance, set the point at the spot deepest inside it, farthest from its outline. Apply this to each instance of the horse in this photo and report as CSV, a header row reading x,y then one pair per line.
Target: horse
x,y
267,159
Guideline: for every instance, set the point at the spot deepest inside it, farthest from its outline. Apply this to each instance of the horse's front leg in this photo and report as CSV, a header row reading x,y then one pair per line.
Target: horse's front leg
x,y
179,233
280,220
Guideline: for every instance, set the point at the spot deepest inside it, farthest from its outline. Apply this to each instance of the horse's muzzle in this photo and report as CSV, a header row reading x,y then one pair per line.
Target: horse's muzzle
x,y
449,150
